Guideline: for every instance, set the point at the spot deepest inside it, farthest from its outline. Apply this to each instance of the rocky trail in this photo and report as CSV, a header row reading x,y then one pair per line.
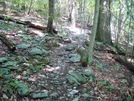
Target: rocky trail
x,y
48,68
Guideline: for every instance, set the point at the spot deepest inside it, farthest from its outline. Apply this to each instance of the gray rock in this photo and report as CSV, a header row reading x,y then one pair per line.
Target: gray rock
x,y
73,92
85,95
66,40
88,72
72,80
22,89
45,52
76,99
46,99
3,59
70,47
54,94
23,46
37,51
40,95
75,58
78,76
9,63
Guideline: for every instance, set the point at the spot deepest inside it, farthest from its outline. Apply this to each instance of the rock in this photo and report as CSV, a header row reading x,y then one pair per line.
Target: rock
x,y
66,40
22,88
78,76
40,95
75,58
20,32
5,97
88,72
3,59
54,94
84,56
46,99
73,92
85,95
76,99
23,46
70,47
37,51
10,64
72,80
45,52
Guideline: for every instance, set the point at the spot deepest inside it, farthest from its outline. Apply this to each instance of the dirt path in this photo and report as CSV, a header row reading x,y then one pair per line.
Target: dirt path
x,y
113,81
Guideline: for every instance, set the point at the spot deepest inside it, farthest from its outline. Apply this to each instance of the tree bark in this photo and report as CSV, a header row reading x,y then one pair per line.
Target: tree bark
x,y
93,33
103,29
51,17
73,15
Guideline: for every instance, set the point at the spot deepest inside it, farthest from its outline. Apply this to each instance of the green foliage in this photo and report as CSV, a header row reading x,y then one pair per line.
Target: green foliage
x,y
9,86
129,98
102,83
109,87
123,80
99,66
117,66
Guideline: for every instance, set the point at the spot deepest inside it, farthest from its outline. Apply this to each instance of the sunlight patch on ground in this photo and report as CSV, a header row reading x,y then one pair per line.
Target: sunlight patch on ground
x,y
50,69
37,32
77,31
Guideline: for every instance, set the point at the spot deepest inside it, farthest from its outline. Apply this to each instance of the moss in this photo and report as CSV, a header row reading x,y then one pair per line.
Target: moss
x,y
84,56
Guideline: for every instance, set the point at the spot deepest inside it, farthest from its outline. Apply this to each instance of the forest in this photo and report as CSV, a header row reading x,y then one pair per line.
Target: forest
x,y
66,50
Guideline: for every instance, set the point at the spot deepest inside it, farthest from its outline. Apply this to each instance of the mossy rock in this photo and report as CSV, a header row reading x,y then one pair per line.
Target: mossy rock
x,y
84,56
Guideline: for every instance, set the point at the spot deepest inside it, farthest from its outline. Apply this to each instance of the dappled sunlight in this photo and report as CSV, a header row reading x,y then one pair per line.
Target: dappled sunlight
x,y
37,32
33,78
77,30
130,60
50,69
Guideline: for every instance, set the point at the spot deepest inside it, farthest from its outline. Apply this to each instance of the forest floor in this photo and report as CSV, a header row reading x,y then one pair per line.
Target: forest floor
x,y
47,76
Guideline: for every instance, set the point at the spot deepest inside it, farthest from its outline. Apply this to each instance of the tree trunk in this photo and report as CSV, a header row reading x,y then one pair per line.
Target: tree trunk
x,y
51,16
73,15
93,33
103,29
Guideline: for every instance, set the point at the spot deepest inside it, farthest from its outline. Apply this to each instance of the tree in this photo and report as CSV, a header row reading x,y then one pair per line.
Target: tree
x,y
73,15
93,33
103,30
51,16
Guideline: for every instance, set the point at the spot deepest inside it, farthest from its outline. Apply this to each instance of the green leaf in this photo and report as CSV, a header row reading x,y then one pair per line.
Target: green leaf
x,y
102,82
123,80
109,87
117,66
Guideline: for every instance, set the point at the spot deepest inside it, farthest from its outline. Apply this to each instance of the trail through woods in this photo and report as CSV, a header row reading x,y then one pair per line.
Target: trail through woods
x,y
51,68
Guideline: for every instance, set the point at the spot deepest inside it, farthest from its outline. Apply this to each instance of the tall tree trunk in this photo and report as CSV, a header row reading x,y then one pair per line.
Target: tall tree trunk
x,y
103,29
51,16
73,15
30,7
93,33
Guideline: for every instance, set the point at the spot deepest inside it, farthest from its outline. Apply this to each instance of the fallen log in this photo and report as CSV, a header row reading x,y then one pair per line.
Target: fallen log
x,y
27,23
10,45
129,65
